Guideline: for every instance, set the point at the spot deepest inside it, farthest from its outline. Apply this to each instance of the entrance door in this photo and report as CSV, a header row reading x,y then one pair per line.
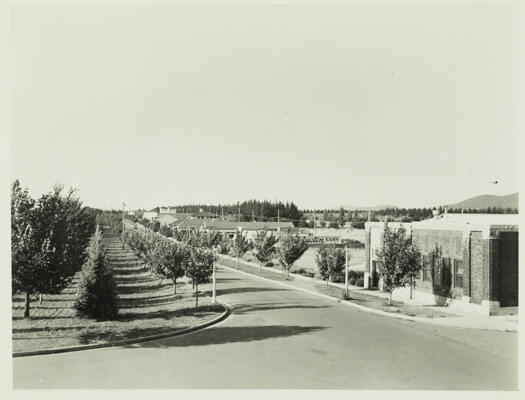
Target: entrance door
x,y
508,269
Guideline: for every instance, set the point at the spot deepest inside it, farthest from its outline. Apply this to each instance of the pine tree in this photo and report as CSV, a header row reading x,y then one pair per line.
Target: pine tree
x,y
97,297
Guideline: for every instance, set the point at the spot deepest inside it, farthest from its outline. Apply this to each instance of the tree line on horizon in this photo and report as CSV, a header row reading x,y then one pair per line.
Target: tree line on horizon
x,y
261,210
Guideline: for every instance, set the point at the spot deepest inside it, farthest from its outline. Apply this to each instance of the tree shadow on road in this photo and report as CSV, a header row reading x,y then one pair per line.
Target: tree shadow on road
x,y
247,289
222,335
246,309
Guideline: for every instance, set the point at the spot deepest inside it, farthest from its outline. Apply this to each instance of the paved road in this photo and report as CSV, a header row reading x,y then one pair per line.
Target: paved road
x,y
283,338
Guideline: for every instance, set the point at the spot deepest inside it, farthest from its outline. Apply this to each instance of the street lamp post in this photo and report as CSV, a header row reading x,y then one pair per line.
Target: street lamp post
x,y
213,295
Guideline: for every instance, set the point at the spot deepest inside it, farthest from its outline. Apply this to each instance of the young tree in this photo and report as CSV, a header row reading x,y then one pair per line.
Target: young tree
x,y
199,268
97,290
331,262
398,260
241,246
171,260
48,239
265,246
411,258
291,248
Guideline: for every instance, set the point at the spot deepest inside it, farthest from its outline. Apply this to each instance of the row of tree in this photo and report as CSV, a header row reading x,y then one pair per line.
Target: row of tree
x,y
265,246
48,240
169,259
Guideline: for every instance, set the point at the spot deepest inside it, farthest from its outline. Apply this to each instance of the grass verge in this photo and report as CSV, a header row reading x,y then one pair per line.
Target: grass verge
x,y
380,303
147,306
254,270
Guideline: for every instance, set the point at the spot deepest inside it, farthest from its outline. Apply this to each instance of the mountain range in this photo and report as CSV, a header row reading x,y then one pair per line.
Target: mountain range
x,y
489,200
482,201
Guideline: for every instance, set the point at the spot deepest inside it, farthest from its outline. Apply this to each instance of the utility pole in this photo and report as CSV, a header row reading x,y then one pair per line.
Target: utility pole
x,y
253,216
214,282
222,213
278,215
123,227
346,271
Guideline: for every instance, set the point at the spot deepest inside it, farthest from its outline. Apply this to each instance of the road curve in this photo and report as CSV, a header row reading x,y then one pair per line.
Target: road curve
x,y
280,338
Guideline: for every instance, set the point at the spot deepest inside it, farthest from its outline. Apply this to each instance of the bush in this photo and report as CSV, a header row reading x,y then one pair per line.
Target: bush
x,y
97,290
359,282
351,281
304,272
352,244
355,274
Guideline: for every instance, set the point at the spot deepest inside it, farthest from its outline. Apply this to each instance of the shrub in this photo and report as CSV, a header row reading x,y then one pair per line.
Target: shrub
x,y
351,281
304,272
360,282
97,290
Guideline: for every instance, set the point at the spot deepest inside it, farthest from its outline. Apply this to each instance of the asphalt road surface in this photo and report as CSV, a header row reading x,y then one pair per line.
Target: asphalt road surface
x,y
279,338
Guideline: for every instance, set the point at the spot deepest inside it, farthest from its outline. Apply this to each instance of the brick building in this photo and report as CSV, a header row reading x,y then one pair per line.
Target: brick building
x,y
469,260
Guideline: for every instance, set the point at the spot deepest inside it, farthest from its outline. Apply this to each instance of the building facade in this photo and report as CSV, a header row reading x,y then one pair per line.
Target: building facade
x,y
468,260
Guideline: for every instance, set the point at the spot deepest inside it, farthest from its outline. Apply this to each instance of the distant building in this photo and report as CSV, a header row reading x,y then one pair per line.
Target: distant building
x,y
231,228
149,215
204,215
478,266
168,210
173,219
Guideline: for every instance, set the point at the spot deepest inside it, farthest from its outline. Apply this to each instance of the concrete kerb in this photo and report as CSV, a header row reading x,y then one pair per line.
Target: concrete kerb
x,y
348,303
180,332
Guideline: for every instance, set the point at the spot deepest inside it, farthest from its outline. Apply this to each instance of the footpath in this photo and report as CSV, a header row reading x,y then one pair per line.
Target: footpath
x,y
373,300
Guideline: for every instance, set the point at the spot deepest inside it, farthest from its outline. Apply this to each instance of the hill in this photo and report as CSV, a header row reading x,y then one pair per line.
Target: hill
x,y
489,200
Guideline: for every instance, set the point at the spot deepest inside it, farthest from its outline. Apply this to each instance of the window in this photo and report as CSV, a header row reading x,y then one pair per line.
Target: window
x,y
447,274
427,269
458,273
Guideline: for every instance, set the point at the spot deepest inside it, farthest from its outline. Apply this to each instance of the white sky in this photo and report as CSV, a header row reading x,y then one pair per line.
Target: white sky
x,y
319,104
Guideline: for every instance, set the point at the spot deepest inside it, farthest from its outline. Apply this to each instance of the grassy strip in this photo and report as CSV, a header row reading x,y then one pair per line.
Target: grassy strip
x,y
147,306
380,303
254,270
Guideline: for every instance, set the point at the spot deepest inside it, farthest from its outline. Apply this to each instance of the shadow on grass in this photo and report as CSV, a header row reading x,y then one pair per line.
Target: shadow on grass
x,y
38,318
133,279
168,314
47,329
108,335
143,288
148,301
127,271
222,334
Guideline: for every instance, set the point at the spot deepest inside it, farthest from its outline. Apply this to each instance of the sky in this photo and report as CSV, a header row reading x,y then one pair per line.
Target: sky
x,y
171,103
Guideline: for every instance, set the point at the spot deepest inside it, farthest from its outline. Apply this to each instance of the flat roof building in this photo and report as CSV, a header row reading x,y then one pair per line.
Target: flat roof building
x,y
470,259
